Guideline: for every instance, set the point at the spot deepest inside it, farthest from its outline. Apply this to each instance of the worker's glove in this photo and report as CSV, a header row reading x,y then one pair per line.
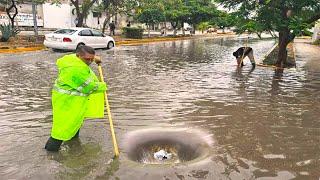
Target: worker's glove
x,y
97,60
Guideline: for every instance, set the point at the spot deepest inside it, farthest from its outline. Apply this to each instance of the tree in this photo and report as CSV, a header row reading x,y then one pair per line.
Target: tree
x,y
200,11
151,17
288,17
82,10
224,20
173,11
203,26
11,10
113,7
34,4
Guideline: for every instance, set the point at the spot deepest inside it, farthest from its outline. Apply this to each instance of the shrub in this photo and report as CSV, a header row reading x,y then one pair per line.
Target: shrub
x,y
7,32
316,42
132,32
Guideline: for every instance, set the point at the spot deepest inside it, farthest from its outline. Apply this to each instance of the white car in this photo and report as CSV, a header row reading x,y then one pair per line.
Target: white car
x,y
72,38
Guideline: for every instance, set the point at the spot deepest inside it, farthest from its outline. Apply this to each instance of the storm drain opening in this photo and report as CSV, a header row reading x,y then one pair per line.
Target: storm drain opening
x,y
165,146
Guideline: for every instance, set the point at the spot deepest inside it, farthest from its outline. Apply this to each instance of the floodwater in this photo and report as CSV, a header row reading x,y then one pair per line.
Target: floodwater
x,y
263,124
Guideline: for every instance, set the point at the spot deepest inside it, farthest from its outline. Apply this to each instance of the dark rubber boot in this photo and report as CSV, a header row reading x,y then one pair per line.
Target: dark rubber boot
x,y
53,144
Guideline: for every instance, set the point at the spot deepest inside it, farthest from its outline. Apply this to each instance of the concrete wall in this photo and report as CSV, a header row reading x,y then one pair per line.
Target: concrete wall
x,y
57,16
24,17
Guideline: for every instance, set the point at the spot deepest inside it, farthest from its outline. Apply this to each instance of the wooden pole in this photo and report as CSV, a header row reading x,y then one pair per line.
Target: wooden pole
x,y
114,140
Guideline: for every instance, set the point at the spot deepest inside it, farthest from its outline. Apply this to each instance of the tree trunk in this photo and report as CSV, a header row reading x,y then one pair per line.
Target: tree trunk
x,y
35,24
80,18
259,35
149,27
283,42
183,31
174,25
192,30
270,32
284,35
81,15
165,28
14,7
105,22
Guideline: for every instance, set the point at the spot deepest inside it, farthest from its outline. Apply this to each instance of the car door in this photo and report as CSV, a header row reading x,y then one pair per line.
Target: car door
x,y
87,38
99,39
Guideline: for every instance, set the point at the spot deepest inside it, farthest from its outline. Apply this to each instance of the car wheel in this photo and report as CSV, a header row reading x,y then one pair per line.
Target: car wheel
x,y
79,45
110,45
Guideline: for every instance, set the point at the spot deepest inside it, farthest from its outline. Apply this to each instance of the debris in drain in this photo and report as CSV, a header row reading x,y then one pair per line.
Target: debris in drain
x,y
162,155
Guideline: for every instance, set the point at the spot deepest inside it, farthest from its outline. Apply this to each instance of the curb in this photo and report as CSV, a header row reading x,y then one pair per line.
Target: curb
x,y
6,49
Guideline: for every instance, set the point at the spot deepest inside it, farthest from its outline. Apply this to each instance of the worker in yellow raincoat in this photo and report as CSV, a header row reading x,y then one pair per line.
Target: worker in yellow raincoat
x,y
77,94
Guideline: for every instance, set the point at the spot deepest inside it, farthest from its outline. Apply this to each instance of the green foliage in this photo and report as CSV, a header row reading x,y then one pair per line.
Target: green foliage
x,y
203,26
299,28
175,11
132,32
277,15
224,20
317,42
178,11
151,16
200,11
7,32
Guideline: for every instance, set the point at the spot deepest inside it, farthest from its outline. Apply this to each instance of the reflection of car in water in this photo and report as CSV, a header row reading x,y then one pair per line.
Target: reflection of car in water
x,y
70,39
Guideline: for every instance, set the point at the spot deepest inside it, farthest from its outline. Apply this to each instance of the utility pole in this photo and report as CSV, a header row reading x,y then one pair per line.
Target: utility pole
x,y
35,24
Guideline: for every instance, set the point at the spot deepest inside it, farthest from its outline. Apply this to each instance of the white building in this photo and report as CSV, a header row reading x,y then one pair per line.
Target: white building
x,y
56,16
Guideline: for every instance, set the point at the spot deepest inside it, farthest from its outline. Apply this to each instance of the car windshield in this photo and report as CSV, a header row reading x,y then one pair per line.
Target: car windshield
x,y
65,31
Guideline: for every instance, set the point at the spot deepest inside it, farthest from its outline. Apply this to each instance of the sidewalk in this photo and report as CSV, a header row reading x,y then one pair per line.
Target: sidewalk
x,y
22,44
308,53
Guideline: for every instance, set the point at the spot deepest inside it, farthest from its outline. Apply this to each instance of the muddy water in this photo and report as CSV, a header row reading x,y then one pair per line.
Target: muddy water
x,y
262,123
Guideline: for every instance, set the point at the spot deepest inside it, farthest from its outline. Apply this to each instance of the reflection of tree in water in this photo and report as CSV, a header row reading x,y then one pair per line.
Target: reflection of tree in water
x,y
275,89
87,161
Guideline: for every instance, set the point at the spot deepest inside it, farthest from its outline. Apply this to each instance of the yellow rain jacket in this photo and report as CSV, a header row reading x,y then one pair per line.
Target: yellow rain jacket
x,y
77,94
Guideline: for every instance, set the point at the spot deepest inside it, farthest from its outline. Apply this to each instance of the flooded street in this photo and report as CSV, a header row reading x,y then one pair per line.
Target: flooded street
x,y
262,124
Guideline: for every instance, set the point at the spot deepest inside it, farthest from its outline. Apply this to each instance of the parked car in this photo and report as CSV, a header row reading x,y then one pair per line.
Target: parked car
x,y
72,38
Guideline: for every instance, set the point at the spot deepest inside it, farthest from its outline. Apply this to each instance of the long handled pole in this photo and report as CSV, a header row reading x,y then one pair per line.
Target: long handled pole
x,y
114,140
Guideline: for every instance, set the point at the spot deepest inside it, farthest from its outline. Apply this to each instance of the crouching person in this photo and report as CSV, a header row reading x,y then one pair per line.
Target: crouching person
x,y
243,52
77,94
